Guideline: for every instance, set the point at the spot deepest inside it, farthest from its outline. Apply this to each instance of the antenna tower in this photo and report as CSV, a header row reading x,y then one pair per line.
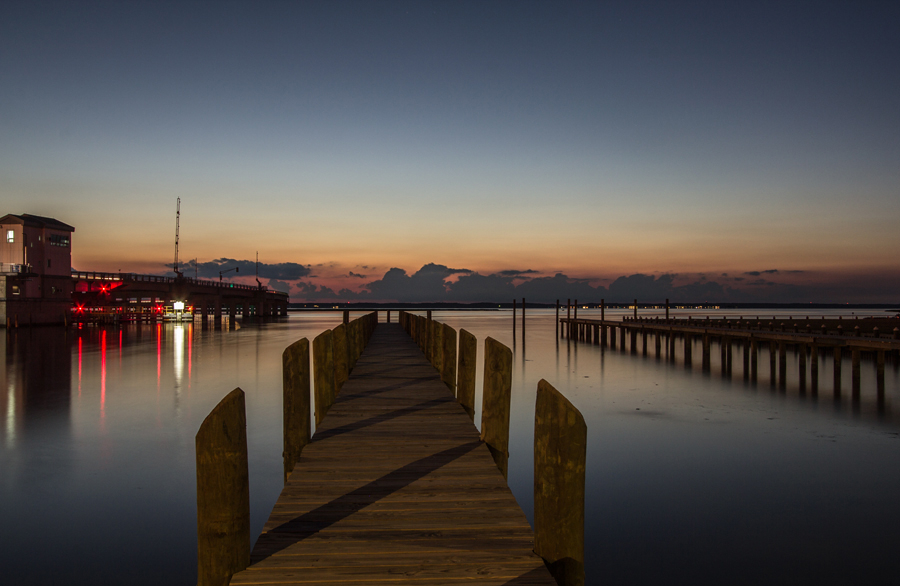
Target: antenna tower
x,y
177,221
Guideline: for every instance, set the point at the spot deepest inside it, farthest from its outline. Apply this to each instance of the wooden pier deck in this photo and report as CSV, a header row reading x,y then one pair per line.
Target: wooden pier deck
x,y
395,488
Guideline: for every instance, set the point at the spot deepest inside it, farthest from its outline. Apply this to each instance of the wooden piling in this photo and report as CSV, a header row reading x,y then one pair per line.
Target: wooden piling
x,y
855,374
688,347
465,381
560,443
323,373
557,318
773,358
495,404
437,349
341,356
223,492
448,360
295,402
879,375
745,366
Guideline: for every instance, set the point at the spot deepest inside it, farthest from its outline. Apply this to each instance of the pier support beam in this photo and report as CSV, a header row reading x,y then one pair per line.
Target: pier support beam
x,y
814,369
837,371
782,364
688,346
801,362
855,375
705,358
754,360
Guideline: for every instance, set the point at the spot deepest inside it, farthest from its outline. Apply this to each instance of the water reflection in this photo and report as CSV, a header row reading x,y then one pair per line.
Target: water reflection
x,y
37,372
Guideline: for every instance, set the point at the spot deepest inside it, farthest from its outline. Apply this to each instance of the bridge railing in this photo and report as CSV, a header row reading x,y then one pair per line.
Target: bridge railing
x,y
137,278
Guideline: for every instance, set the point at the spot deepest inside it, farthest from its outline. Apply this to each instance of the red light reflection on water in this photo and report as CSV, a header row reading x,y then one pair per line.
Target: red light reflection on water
x,y
103,376
190,352
80,340
158,355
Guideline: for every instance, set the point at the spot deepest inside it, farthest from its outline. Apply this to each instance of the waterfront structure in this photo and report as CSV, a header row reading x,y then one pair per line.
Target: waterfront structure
x,y
35,270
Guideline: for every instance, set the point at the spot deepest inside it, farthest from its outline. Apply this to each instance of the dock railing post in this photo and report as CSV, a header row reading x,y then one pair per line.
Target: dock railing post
x,y
465,377
223,492
295,375
323,371
560,445
448,358
495,404
341,356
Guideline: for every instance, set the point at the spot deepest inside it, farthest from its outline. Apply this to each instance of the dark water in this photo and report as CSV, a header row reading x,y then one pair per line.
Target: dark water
x,y
692,477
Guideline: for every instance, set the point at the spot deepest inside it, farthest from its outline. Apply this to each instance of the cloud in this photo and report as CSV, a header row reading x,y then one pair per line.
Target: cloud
x,y
280,286
515,273
758,273
357,275
285,271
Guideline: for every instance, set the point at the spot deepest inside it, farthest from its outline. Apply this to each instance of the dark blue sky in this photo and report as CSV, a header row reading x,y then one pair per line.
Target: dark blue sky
x,y
597,139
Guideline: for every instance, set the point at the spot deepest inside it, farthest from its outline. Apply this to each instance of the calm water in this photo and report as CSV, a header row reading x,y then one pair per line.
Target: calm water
x,y
692,477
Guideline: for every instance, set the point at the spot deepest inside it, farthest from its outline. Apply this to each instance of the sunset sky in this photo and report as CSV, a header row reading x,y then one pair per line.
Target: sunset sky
x,y
714,151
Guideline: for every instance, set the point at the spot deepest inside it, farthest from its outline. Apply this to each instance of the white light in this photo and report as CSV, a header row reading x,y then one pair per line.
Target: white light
x,y
179,306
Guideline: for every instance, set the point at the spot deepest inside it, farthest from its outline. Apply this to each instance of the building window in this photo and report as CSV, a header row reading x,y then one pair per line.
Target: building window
x,y
59,240
10,236
15,289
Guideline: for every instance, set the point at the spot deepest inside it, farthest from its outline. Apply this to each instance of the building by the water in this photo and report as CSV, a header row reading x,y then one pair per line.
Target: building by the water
x,y
35,270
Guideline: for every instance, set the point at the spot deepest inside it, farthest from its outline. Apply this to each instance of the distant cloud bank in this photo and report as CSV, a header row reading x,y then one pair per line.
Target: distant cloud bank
x,y
440,283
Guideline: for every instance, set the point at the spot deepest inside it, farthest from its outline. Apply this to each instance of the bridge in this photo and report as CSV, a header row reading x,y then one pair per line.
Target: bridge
x,y
136,297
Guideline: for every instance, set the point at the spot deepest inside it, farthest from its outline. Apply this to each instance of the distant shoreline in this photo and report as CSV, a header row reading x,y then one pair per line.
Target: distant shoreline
x,y
485,306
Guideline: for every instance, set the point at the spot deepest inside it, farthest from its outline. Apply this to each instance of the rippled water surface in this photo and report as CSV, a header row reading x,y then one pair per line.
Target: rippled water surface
x,y
692,477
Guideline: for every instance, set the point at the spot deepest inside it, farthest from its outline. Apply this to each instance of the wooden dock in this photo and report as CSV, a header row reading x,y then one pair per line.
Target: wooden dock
x,y
395,487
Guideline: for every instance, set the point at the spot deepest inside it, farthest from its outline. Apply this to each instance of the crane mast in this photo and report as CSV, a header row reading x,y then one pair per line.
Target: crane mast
x,y
177,221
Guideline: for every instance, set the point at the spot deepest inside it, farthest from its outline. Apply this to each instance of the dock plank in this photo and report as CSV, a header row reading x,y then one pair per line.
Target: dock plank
x,y
395,488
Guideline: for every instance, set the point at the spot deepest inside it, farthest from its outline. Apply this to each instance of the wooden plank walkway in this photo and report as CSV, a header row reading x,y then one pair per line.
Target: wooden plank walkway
x,y
395,487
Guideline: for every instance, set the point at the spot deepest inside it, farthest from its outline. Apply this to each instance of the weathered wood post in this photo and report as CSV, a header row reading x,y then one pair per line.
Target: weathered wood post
x,y
635,310
523,320
223,492
575,310
667,310
295,401
448,357
341,356
602,309
557,318
745,346
644,335
560,445
879,374
495,404
688,347
568,317
514,321
671,345
634,340
854,362
622,337
323,371
465,377
658,343
437,349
